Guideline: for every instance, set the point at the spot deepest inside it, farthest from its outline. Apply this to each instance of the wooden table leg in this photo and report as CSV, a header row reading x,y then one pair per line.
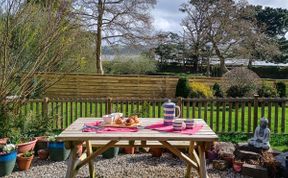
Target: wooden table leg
x,y
71,170
202,167
91,165
191,149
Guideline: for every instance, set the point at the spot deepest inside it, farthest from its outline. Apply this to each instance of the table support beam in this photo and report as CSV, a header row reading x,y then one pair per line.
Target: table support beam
x,y
96,153
89,153
202,166
179,154
72,162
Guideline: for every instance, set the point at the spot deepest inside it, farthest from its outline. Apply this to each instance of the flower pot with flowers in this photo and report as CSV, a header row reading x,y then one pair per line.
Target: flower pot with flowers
x,y
8,154
24,160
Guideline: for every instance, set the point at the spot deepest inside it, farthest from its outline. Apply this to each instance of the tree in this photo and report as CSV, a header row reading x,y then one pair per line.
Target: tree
x,y
228,25
52,37
115,21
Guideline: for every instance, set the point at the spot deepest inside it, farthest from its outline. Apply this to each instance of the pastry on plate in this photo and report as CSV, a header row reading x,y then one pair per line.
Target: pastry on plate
x,y
135,118
119,121
129,122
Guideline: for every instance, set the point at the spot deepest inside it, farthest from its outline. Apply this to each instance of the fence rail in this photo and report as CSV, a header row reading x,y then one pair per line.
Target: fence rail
x,y
224,115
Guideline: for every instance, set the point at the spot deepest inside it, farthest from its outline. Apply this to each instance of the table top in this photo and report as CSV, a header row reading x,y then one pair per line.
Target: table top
x,y
74,133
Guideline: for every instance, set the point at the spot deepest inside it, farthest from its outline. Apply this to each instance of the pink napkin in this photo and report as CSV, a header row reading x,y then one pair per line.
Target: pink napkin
x,y
161,127
96,127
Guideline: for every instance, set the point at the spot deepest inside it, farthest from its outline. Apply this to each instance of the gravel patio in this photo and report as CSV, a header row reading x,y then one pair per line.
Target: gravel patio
x,y
125,165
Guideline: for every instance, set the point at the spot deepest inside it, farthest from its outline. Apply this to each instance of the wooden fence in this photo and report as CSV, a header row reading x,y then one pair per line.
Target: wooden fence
x,y
99,86
224,115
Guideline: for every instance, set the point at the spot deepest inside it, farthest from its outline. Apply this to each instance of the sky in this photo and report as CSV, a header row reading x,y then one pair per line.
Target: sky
x,y
167,16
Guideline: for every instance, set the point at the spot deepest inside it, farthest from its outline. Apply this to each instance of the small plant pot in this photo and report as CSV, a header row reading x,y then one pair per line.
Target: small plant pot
x,y
57,151
156,152
111,153
3,141
28,146
237,166
79,149
43,154
7,163
42,143
24,163
129,150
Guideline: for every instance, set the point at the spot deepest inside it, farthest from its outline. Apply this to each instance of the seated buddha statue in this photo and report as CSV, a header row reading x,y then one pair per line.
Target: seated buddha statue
x,y
261,136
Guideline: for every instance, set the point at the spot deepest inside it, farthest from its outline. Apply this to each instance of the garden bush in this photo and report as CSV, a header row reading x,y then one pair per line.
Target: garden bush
x,y
128,65
200,90
243,81
182,88
217,92
267,90
281,89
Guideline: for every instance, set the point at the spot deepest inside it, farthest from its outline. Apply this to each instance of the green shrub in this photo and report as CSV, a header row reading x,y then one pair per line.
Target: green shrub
x,y
217,92
271,72
128,65
267,90
237,91
182,88
200,90
240,82
281,89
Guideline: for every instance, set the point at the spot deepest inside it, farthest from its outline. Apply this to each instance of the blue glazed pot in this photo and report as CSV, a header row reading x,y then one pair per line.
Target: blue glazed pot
x,y
57,151
7,163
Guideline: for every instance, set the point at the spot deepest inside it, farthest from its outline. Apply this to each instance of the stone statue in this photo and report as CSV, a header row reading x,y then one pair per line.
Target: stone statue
x,y
261,136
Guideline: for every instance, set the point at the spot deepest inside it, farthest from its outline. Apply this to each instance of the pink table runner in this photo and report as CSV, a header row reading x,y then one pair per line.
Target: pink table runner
x,y
161,127
95,127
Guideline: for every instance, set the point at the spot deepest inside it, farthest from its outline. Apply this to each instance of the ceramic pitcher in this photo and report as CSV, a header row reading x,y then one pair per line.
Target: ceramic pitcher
x,y
170,112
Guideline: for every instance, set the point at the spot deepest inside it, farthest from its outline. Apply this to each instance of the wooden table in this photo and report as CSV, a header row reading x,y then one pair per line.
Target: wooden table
x,y
73,136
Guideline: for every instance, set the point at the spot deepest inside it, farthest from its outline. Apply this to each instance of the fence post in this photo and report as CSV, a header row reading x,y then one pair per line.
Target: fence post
x,y
179,103
255,119
45,107
109,106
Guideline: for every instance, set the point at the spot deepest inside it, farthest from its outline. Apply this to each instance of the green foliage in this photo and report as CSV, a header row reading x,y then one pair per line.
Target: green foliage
x,y
182,87
281,89
267,90
199,90
237,91
128,65
28,154
217,92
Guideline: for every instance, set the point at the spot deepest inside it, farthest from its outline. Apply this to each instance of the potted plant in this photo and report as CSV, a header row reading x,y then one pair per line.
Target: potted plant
x,y
156,152
57,150
8,156
111,153
26,144
43,154
24,160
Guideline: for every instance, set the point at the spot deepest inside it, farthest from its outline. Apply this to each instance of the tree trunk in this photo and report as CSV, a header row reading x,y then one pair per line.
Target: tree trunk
x,y
99,68
223,68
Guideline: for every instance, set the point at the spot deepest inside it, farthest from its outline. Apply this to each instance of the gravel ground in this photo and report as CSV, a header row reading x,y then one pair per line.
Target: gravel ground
x,y
123,166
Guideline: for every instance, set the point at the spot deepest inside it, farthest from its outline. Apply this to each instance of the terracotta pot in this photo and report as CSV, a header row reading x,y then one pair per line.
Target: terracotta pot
x,y
43,154
28,146
3,141
129,150
79,149
237,166
156,152
24,163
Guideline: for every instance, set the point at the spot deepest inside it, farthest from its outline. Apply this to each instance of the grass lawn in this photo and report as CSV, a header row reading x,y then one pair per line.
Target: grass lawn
x,y
238,121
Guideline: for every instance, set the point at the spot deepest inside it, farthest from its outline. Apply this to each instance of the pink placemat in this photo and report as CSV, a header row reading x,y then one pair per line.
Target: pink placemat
x,y
159,126
96,127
